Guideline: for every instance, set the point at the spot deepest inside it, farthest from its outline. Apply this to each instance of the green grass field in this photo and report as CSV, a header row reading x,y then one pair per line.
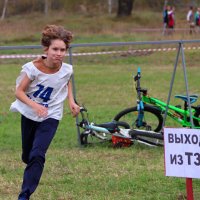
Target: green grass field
x,y
104,84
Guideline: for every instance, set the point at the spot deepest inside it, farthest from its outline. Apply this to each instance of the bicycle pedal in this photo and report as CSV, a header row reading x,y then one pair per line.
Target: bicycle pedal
x,y
148,128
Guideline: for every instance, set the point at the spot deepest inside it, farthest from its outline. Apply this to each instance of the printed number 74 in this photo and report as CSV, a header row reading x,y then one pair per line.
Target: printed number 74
x,y
43,93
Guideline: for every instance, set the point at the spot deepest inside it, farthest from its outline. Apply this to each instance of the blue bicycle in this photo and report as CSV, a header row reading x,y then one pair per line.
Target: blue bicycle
x,y
116,132
143,116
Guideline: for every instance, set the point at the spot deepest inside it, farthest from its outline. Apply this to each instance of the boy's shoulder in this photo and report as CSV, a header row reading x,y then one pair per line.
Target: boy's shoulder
x,y
28,65
67,66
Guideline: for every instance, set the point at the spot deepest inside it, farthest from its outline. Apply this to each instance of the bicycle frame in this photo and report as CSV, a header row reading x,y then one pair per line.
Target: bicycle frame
x,y
116,131
96,128
89,126
102,131
179,115
140,105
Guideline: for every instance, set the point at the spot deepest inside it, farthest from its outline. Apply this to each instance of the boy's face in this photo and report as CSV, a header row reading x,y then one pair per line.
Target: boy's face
x,y
56,51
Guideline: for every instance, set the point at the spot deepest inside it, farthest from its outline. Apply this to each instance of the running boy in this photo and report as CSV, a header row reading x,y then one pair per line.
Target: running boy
x,y
41,89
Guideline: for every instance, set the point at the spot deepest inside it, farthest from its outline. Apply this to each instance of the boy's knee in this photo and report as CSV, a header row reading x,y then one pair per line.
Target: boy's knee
x,y
38,159
37,156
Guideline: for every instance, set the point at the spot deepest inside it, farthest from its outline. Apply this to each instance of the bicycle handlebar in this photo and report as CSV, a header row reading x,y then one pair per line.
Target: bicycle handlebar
x,y
82,109
137,80
138,75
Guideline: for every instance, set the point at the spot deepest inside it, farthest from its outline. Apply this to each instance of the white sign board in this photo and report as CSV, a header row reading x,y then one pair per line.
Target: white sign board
x,y
182,152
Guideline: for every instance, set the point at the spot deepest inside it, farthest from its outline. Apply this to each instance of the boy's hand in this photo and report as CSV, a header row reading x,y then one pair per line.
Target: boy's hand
x,y
75,109
40,110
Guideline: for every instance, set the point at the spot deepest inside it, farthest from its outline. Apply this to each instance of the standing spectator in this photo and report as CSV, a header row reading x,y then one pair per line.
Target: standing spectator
x,y
171,19
190,19
197,19
165,19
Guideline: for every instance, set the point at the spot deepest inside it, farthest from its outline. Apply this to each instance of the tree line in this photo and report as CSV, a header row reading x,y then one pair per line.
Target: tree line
x,y
120,7
15,7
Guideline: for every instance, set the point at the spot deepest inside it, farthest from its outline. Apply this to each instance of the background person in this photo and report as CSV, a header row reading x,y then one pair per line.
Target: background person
x,y
197,19
171,19
165,19
41,89
190,19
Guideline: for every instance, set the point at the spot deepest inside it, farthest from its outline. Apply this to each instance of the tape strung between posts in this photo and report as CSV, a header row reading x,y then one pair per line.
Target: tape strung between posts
x,y
14,56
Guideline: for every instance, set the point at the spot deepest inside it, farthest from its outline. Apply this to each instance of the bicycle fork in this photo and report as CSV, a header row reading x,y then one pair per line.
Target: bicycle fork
x,y
140,109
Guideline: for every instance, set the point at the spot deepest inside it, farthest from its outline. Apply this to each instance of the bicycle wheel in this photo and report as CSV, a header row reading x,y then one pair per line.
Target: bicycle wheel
x,y
121,124
147,137
196,122
89,137
153,119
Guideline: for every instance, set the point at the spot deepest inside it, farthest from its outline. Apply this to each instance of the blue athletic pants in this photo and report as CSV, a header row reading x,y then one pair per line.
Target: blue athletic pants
x,y
36,138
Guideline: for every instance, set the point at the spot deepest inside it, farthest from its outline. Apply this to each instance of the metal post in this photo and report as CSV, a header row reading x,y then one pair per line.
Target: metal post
x,y
186,83
189,188
74,94
171,84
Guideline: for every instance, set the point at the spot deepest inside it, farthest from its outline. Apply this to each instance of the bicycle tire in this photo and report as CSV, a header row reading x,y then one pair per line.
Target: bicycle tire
x,y
123,124
148,137
196,122
88,138
152,118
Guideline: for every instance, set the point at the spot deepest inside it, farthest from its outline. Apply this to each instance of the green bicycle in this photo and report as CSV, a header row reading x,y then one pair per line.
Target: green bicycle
x,y
148,114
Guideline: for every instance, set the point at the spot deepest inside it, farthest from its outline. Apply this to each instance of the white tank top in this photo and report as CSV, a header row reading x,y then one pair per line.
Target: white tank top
x,y
49,90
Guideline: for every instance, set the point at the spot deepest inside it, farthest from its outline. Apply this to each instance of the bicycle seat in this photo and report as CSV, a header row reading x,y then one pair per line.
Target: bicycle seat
x,y
193,98
110,126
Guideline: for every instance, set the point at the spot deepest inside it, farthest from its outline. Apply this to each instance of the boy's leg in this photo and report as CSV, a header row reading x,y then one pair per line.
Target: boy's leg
x,y
28,128
33,171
